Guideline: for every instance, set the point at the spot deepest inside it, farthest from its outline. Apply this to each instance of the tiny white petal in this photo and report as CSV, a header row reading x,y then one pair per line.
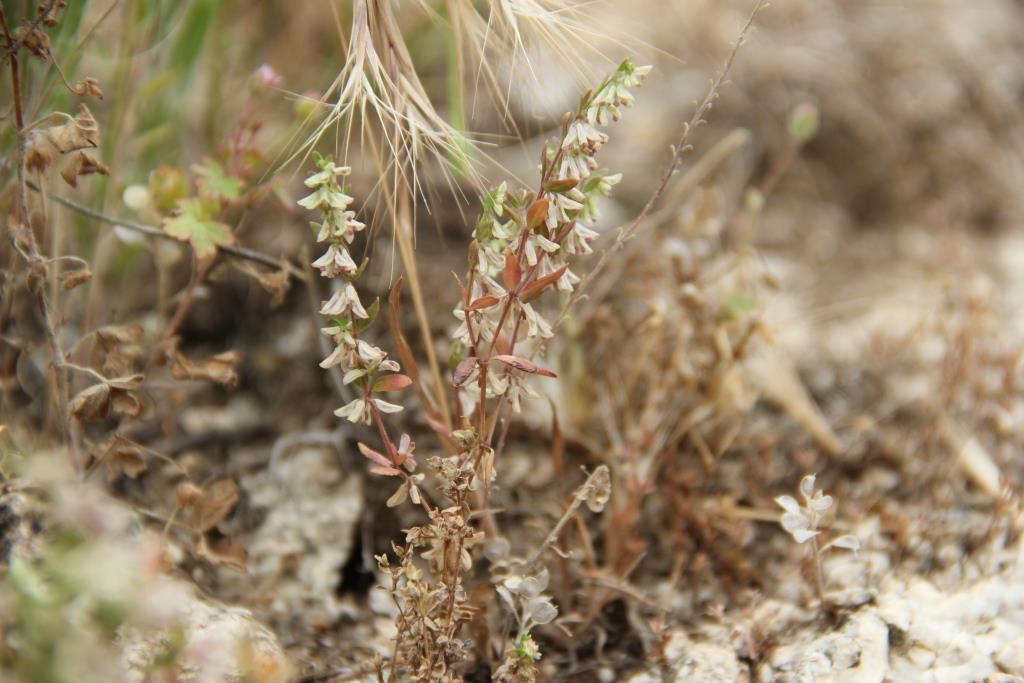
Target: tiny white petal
x,y
385,407
802,536
795,521
848,541
788,503
821,503
807,486
353,375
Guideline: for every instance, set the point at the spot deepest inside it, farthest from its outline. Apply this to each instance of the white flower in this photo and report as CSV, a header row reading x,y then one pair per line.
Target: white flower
x,y
582,136
518,387
802,521
337,357
579,238
327,174
326,197
370,354
536,325
558,206
355,411
537,241
335,261
577,166
567,281
344,300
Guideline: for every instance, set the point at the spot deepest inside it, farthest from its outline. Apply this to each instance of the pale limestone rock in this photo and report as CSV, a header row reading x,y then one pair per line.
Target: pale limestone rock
x,y
220,645
701,662
312,508
1010,657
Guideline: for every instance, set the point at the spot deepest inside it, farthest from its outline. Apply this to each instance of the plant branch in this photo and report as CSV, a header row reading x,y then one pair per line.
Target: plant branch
x,y
152,231
582,493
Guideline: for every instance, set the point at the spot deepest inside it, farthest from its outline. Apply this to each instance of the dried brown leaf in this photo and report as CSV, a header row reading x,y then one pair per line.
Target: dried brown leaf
x,y
524,365
221,550
219,499
74,278
81,164
123,456
92,404
276,283
81,132
219,368
113,335
463,370
188,494
125,403
89,86
599,489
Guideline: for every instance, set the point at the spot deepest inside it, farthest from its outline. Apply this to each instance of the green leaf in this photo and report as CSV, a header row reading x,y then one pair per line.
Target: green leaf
x,y
215,183
371,315
739,304
194,224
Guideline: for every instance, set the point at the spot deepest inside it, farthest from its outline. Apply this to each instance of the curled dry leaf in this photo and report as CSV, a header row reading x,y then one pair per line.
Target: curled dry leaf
x,y
38,156
217,502
89,86
81,132
123,397
275,283
116,350
114,335
221,550
75,278
524,365
188,494
94,403
219,368
599,489
33,39
81,164
463,370
122,456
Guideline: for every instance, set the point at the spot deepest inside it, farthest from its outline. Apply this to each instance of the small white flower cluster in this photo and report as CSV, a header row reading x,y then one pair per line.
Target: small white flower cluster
x,y
802,521
542,234
357,358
